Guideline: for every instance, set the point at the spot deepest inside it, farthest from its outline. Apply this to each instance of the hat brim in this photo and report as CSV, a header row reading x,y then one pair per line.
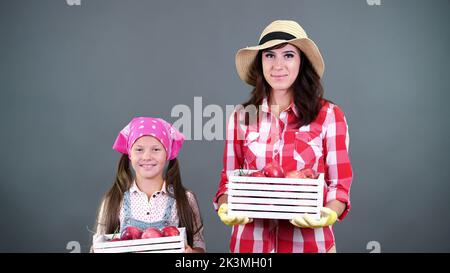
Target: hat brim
x,y
246,56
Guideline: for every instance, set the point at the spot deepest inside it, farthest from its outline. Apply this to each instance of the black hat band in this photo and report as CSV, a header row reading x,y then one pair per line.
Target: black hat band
x,y
277,35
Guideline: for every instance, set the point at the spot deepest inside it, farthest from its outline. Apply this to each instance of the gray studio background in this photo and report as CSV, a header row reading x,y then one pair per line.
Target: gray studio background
x,y
72,76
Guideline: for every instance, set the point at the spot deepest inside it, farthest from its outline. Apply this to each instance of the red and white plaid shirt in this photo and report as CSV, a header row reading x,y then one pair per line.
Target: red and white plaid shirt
x,y
321,146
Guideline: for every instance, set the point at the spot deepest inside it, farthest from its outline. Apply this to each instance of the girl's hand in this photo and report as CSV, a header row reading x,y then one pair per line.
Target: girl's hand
x,y
187,249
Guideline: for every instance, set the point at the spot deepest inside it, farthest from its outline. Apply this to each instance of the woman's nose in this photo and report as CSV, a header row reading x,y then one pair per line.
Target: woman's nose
x,y
278,63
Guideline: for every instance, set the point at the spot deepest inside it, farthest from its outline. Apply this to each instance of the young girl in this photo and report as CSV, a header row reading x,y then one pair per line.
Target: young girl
x,y
150,196
293,126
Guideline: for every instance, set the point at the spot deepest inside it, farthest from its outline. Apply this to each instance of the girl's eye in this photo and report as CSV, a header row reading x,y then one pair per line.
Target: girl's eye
x,y
138,150
156,149
269,55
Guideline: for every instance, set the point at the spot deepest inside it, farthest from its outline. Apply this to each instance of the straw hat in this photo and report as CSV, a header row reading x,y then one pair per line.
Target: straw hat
x,y
278,32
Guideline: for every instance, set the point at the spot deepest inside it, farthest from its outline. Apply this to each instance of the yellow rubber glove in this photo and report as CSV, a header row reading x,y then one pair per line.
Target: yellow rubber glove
x,y
327,217
231,220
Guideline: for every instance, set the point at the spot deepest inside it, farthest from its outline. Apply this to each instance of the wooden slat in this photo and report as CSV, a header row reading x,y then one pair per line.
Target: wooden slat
x,y
273,187
137,242
139,248
273,215
271,208
279,201
271,180
233,192
176,250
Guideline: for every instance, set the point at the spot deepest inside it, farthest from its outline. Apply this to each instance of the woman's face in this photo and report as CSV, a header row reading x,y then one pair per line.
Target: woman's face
x,y
281,66
148,158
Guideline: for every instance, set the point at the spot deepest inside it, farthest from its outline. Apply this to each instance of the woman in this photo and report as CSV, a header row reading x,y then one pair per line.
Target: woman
x,y
292,125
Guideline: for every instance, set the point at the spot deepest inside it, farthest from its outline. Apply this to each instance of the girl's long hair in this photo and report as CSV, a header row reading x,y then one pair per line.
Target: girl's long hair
x,y
307,88
108,217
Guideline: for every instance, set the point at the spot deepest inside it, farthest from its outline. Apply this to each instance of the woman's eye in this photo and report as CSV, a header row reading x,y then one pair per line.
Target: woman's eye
x,y
269,55
289,55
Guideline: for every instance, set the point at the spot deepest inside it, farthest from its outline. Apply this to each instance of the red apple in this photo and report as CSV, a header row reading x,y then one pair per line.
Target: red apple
x,y
305,173
131,233
151,232
170,231
309,173
257,174
295,174
273,170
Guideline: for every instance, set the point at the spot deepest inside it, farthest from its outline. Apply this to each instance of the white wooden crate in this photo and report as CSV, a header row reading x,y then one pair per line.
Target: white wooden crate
x,y
274,198
170,244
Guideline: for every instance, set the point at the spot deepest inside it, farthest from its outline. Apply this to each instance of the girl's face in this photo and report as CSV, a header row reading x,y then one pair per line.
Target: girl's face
x,y
148,158
281,66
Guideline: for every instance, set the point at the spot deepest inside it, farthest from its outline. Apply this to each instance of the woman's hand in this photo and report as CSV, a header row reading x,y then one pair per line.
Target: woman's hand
x,y
327,218
222,199
223,213
231,220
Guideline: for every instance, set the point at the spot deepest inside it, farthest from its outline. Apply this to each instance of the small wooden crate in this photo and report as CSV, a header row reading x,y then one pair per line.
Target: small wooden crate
x,y
170,244
274,198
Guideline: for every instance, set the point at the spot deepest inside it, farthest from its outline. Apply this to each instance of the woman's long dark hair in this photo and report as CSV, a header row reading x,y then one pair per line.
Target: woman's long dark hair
x,y
307,88
113,198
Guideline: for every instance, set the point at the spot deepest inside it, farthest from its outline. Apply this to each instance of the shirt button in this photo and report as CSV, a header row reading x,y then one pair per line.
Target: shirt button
x,y
154,195
148,213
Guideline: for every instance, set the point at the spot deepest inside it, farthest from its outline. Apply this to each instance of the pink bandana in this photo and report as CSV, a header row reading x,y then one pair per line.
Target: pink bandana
x,y
171,138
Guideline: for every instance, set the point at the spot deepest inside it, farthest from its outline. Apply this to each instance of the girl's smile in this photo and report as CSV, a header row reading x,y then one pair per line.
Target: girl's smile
x,y
147,166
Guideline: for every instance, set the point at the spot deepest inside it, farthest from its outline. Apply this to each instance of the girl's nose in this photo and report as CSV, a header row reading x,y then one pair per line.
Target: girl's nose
x,y
147,155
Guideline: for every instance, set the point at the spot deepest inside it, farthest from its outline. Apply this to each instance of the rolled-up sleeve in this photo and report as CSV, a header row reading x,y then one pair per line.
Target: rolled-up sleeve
x,y
232,156
338,169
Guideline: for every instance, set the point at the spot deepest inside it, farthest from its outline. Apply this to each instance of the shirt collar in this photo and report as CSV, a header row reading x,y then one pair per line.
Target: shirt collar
x,y
265,107
134,188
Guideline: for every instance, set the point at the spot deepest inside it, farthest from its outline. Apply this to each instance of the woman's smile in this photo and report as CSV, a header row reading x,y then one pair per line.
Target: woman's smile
x,y
279,77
